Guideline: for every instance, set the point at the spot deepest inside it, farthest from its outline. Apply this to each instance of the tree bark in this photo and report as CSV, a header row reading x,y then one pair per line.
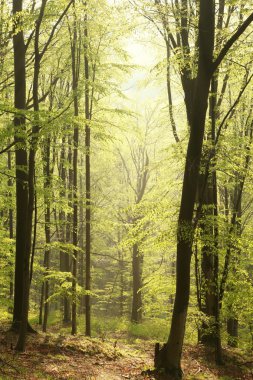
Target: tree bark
x,y
137,285
87,188
11,234
21,165
169,358
210,332
232,330
31,182
69,230
47,186
64,228
75,53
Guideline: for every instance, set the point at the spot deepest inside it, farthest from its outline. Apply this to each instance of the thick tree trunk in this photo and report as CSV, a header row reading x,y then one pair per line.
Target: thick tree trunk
x,y
31,184
21,167
169,358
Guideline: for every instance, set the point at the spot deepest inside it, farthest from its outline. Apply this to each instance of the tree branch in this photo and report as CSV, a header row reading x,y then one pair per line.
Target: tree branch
x,y
231,41
8,147
54,29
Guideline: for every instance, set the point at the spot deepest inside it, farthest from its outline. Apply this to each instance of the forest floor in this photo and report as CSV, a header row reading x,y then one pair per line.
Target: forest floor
x,y
53,356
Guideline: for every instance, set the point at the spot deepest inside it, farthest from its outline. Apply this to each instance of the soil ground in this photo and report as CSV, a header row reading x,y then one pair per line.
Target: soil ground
x,y
52,356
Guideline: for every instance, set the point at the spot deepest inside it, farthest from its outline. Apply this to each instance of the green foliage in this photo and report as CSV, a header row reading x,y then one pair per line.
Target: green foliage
x,y
152,329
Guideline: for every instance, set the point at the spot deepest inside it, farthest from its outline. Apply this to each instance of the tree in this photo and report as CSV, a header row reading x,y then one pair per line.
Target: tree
x,y
75,59
21,162
138,184
170,355
88,116
38,55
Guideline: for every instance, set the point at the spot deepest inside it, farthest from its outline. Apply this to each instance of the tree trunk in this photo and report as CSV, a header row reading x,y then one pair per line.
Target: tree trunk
x,y
66,256
21,166
169,358
81,239
41,303
87,190
232,330
75,52
122,284
47,186
137,285
11,235
64,229
210,333
31,184
232,322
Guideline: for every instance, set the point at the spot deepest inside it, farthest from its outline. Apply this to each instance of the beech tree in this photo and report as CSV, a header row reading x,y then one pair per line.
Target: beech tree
x,y
21,162
28,212
169,356
138,184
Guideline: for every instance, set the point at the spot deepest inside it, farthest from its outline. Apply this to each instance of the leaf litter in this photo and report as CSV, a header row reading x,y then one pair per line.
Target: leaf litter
x,y
65,357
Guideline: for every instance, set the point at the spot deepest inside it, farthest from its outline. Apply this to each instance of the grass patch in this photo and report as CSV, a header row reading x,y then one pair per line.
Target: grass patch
x,y
153,329
108,327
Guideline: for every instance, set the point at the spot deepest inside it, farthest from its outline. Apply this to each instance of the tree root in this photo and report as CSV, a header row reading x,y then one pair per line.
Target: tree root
x,y
161,365
15,327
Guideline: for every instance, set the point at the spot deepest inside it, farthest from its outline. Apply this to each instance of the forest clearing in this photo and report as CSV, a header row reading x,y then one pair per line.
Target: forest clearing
x,y
126,197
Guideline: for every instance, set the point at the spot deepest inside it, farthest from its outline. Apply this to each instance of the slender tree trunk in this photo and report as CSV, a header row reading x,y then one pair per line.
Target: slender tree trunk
x,y
218,350
41,303
210,333
47,186
64,228
87,189
137,285
232,330
232,322
11,234
66,261
137,258
122,284
171,115
75,53
207,334
81,239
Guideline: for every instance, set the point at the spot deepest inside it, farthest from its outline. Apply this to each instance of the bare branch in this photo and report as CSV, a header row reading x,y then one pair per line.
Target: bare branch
x,y
7,148
127,172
